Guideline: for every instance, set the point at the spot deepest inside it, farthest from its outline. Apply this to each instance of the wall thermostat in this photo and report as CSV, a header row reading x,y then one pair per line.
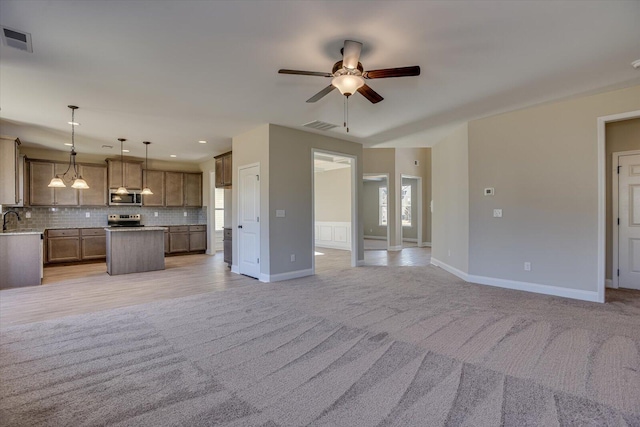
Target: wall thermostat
x,y
489,191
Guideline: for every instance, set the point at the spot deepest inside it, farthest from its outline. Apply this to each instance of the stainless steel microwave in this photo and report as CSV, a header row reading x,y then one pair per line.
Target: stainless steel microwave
x,y
134,198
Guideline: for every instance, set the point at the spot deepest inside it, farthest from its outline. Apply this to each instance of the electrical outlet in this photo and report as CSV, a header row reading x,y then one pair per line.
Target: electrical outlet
x,y
87,214
293,258
155,214
185,214
28,214
416,163
527,266
497,213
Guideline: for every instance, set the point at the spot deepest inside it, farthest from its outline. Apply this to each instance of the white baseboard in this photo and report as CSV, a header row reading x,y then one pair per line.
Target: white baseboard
x,y
359,263
410,239
332,246
286,276
608,283
235,269
520,286
376,237
425,245
394,248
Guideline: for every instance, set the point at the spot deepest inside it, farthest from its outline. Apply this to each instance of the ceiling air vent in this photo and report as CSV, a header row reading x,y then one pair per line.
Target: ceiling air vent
x,y
317,124
18,39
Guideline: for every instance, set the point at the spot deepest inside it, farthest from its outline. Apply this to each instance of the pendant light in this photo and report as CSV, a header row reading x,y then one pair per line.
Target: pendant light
x,y
76,180
146,190
122,189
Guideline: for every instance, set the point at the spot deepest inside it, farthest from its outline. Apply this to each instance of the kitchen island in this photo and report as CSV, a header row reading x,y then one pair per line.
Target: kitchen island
x,y
134,249
20,259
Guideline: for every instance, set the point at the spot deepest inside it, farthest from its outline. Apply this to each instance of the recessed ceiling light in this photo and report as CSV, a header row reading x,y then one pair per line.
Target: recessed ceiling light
x,y
74,123
173,155
68,144
202,142
125,151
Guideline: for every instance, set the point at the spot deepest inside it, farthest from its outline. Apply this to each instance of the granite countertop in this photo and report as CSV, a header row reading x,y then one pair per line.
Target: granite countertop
x,y
20,232
120,229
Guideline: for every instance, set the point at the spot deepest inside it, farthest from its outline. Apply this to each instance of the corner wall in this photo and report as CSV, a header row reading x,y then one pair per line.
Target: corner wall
x,y
450,189
543,163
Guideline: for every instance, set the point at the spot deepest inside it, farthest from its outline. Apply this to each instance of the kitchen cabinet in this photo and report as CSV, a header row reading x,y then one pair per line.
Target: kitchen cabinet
x,y
227,239
9,171
93,243
193,189
132,174
179,239
174,186
183,189
63,245
96,177
155,181
224,170
197,238
40,173
20,259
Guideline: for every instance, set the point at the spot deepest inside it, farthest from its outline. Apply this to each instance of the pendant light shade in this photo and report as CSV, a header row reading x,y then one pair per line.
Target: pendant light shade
x,y
146,190
122,189
76,180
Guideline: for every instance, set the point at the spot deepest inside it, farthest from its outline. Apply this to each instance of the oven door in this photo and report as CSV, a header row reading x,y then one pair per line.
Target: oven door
x,y
131,199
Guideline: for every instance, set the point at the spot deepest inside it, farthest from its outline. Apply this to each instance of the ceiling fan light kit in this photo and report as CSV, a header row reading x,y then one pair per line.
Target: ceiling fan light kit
x,y
348,76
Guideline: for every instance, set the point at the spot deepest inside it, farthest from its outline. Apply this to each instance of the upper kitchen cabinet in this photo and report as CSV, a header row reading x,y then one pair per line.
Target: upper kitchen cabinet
x,y
40,174
132,174
174,187
223,170
96,177
9,170
193,189
155,181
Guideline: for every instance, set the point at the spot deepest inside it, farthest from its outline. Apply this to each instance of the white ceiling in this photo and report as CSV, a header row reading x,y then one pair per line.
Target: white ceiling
x,y
175,72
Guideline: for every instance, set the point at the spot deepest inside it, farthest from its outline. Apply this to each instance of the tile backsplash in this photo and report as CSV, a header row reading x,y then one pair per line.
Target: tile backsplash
x,y
61,217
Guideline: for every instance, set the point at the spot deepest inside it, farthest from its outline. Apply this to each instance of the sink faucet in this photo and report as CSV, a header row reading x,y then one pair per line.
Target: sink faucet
x,y
4,219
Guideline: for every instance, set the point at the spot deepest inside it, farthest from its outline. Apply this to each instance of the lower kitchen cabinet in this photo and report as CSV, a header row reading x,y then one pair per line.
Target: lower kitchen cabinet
x,y
63,245
179,239
94,243
197,238
227,239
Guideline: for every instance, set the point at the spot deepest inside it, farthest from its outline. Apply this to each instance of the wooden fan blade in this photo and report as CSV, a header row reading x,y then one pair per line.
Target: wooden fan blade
x,y
351,54
392,72
370,94
321,94
305,73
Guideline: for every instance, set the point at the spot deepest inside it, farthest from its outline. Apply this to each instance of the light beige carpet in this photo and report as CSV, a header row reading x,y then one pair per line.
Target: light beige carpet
x,y
372,346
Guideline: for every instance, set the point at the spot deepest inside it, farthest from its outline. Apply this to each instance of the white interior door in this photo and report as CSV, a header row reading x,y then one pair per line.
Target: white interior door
x,y
249,221
629,228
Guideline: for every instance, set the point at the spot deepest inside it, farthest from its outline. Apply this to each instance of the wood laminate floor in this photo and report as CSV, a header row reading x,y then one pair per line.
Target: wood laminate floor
x,y
87,288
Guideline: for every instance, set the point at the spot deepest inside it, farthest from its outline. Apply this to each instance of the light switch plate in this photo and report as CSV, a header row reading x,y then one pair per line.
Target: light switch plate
x,y
185,214
87,214
155,214
28,214
497,213
280,213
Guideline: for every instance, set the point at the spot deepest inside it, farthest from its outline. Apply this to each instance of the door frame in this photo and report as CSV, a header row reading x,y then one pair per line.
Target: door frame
x,y
354,205
419,201
602,191
237,240
211,215
386,177
615,230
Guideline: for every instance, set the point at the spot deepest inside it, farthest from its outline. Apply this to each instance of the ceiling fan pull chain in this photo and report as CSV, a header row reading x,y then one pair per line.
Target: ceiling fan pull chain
x,y
347,112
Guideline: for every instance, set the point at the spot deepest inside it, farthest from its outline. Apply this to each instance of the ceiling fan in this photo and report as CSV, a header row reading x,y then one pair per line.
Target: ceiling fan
x,y
349,75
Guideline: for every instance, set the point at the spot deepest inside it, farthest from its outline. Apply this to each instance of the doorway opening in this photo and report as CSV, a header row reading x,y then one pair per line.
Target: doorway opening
x,y
604,269
375,215
411,210
334,204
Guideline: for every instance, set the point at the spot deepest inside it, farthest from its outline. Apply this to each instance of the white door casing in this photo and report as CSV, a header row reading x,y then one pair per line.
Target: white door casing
x,y
249,221
629,228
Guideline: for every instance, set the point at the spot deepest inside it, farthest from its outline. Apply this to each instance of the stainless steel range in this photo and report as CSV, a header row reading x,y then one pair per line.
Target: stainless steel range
x,y
119,220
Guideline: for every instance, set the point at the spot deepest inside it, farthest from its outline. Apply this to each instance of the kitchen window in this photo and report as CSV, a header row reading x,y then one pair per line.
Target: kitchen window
x,y
219,208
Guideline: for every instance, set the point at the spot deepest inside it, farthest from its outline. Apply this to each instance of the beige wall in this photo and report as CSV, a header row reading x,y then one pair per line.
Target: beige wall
x,y
450,189
333,195
620,136
249,148
543,164
290,189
